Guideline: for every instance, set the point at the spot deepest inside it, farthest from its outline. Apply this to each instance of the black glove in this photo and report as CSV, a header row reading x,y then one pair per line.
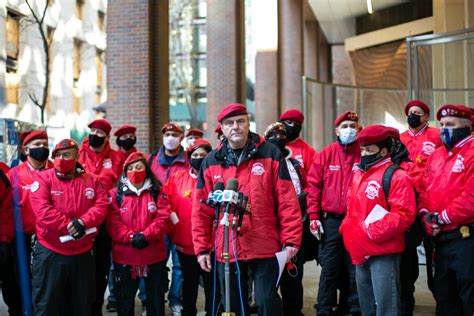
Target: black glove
x,y
139,241
80,229
4,248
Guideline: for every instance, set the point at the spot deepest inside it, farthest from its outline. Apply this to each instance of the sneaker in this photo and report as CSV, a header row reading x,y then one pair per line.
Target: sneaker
x,y
176,310
111,307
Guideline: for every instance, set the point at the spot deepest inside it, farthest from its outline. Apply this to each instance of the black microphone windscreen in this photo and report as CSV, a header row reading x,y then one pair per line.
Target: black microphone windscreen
x,y
232,184
219,186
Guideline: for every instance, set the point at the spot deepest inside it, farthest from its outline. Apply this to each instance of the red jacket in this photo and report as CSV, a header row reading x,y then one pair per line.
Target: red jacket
x,y
21,178
56,201
123,156
449,183
4,167
385,236
106,164
329,177
275,219
180,190
303,152
6,210
160,167
422,144
138,213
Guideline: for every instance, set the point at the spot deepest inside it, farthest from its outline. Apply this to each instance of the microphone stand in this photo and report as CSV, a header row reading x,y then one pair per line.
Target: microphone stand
x,y
225,222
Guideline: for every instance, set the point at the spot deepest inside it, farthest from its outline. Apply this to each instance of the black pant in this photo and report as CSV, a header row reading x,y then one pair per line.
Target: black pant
x,y
62,285
428,244
331,254
454,277
11,280
126,287
265,274
291,286
191,273
102,249
409,272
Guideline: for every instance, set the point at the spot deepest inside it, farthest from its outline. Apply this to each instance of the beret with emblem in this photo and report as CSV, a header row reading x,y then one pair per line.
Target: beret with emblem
x,y
347,116
35,135
134,157
419,104
195,132
125,129
101,124
274,128
230,110
171,127
64,144
453,110
373,134
198,143
294,115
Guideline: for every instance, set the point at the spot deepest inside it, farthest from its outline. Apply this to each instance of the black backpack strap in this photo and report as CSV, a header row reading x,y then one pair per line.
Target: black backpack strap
x,y
387,179
152,156
4,179
119,196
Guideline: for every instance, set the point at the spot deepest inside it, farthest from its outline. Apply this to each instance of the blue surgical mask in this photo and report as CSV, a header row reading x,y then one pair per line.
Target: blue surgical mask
x,y
451,136
347,135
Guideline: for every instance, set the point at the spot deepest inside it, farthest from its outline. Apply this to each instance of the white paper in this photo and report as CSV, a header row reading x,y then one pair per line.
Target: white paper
x,y
377,213
282,257
174,218
69,237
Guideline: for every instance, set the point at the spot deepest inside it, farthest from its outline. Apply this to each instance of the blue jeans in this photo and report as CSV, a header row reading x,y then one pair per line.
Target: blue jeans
x,y
378,285
174,294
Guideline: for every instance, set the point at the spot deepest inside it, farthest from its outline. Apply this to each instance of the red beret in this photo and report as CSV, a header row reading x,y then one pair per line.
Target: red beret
x,y
395,133
125,129
347,116
294,115
35,135
198,143
454,110
64,144
418,103
101,124
218,129
171,127
135,156
230,110
195,132
373,134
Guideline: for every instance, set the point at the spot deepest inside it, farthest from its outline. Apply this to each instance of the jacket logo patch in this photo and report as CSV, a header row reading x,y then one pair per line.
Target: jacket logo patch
x,y
428,148
34,186
457,167
258,169
90,193
107,163
372,190
56,192
151,206
334,168
218,176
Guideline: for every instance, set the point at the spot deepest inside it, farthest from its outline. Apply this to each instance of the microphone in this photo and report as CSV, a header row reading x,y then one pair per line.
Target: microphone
x,y
238,210
245,208
229,197
214,198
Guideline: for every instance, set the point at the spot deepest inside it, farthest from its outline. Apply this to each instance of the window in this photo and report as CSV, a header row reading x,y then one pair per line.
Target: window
x,y
13,48
101,21
99,66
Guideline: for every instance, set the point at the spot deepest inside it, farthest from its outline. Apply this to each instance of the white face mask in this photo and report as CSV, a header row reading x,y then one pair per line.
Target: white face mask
x,y
170,142
347,135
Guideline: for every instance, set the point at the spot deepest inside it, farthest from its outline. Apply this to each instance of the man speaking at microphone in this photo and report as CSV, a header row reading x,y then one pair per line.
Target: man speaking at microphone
x,y
274,221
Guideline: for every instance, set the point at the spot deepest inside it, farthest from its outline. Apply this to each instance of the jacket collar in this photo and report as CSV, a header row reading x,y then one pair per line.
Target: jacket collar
x,y
421,131
132,189
162,160
62,176
225,154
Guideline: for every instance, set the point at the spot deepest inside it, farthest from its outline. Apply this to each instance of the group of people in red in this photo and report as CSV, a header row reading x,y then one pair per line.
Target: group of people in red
x,y
360,207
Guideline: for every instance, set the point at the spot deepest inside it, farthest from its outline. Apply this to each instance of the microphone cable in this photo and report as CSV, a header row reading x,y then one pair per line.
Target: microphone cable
x,y
238,273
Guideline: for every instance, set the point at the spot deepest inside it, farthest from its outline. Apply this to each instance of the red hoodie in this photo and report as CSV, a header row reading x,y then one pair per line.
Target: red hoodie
x,y
106,164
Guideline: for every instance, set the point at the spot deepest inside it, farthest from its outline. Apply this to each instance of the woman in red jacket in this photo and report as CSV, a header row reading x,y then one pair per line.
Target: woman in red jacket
x,y
376,242
180,189
137,222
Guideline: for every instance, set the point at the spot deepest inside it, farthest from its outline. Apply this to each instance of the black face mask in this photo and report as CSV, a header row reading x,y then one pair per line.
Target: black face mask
x,y
369,160
39,153
126,144
96,141
196,163
292,132
279,142
414,120
451,136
